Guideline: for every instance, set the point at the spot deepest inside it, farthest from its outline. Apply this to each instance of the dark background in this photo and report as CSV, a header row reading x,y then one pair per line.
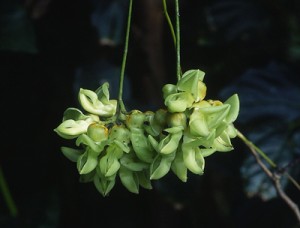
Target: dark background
x,y
48,47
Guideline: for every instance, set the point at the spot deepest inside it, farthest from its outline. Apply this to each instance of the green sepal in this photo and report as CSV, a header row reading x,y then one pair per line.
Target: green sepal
x,y
189,83
198,125
129,179
178,167
123,146
89,177
131,162
170,144
97,147
153,142
193,159
109,165
141,146
233,113
144,179
207,151
231,131
104,184
103,93
87,162
161,166
207,142
221,128
174,130
71,154
74,114
214,115
221,143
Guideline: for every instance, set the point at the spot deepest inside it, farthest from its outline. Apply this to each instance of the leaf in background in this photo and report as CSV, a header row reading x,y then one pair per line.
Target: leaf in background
x,y
269,117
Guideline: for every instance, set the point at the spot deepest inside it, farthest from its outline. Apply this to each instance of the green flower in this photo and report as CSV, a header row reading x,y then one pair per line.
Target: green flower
x,y
179,102
191,82
70,129
101,106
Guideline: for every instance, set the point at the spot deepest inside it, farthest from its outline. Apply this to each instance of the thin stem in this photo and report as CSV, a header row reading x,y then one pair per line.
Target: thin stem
x,y
268,160
120,98
178,39
275,178
169,22
7,195
251,145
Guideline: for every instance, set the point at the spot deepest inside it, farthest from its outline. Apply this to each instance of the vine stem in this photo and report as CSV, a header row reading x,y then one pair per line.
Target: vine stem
x,y
176,37
169,22
120,97
178,40
7,195
275,178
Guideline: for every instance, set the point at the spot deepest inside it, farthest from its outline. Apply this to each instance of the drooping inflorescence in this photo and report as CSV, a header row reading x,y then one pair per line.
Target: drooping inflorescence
x,y
138,147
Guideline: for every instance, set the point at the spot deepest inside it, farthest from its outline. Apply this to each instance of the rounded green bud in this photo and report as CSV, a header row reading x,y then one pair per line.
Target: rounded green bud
x,y
119,132
97,132
135,119
177,119
160,117
169,89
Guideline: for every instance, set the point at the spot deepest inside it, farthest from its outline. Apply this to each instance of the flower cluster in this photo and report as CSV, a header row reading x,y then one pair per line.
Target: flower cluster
x,y
138,147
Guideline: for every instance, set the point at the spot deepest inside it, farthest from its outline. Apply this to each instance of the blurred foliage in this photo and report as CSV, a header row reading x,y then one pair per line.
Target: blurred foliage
x,y
16,29
270,117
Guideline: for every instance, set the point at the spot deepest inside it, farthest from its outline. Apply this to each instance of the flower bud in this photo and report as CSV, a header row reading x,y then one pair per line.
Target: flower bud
x,y
97,132
179,102
135,119
169,89
177,119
